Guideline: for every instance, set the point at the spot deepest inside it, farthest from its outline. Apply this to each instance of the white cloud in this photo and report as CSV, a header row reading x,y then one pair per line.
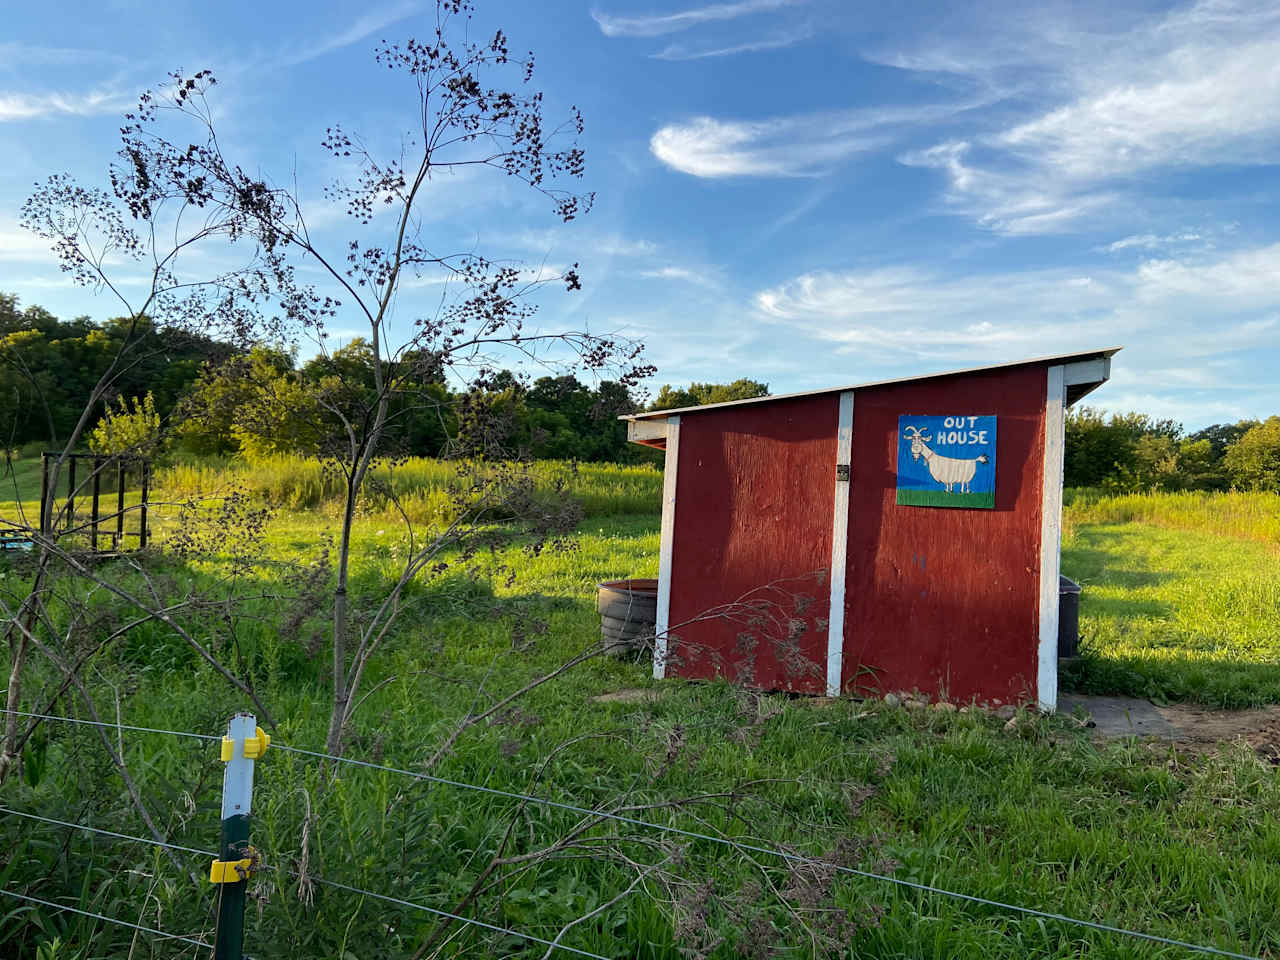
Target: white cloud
x,y
701,278
614,245
905,312
1206,105
786,38
656,25
22,245
363,27
1199,87
1175,313
1149,241
605,244
14,55
1011,201
26,106
806,145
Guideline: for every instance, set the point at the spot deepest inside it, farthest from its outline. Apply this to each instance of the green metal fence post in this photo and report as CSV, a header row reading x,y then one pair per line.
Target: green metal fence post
x,y
244,743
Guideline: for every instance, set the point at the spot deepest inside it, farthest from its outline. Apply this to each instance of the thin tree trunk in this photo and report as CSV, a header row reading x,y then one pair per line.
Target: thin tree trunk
x,y
341,695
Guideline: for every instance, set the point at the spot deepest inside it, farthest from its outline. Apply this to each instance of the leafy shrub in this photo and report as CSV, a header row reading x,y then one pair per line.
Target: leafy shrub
x,y
134,428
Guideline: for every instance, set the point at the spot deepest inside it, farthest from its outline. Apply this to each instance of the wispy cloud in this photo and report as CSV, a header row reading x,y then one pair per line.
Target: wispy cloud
x,y
657,25
785,38
363,27
17,244
606,244
27,106
684,274
806,145
1198,88
1010,198
14,55
1180,310
1150,241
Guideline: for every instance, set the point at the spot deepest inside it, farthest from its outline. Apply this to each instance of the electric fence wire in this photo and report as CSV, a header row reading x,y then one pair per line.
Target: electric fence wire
x,y
108,833
710,838
98,916
779,854
315,879
111,726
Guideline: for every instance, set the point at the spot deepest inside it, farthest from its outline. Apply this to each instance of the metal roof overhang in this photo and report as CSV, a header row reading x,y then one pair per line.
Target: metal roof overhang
x,y
1087,371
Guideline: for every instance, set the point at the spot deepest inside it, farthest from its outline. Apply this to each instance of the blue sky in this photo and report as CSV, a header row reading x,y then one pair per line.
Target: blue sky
x,y
804,193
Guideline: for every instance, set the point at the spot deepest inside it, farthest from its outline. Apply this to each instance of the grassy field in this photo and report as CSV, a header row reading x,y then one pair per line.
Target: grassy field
x,y
1127,834
1173,615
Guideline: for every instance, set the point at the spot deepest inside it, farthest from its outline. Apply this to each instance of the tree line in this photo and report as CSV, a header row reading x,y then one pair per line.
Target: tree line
x,y
213,399
219,400
1134,452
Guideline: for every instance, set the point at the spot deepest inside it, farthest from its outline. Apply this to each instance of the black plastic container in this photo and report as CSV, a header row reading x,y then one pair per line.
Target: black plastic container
x,y
1068,618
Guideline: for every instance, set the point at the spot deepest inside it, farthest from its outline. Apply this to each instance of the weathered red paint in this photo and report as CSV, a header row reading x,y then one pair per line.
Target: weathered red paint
x,y
942,600
754,500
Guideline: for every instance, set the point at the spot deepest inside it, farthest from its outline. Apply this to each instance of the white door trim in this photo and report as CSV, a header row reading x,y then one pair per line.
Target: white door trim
x,y
665,547
839,544
1055,408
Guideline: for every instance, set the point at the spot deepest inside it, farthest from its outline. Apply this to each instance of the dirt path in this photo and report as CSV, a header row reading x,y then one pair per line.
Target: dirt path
x,y
1200,725
1197,727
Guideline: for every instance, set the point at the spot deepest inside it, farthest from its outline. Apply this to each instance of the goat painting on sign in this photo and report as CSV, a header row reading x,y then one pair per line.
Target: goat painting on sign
x,y
947,461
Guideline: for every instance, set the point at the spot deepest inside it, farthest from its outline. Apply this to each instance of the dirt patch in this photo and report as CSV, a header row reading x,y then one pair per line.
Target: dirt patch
x,y
629,695
1194,728
1260,728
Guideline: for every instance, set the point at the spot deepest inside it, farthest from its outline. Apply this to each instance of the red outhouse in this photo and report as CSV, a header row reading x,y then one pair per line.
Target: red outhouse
x,y
900,535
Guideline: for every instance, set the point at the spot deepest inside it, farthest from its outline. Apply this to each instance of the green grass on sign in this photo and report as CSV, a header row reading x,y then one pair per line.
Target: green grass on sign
x,y
940,498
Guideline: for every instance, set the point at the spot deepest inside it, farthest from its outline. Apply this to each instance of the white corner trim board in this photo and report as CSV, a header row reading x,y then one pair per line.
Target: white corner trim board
x,y
1055,409
839,545
667,535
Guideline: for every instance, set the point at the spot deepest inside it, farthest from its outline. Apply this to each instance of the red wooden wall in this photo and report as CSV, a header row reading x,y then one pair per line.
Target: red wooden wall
x,y
754,501
937,599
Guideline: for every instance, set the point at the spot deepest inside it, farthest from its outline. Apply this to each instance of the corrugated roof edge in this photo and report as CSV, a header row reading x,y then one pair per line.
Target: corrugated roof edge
x,y
1107,352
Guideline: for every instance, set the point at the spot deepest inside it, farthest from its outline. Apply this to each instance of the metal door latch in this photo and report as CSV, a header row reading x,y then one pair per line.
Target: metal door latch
x,y
842,472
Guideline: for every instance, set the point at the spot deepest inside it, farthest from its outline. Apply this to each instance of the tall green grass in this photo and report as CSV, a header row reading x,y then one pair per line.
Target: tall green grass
x,y
1039,815
1244,516
1181,594
427,489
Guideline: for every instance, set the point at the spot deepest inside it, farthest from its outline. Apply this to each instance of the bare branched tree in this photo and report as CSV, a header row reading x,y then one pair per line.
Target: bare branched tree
x,y
175,191
175,196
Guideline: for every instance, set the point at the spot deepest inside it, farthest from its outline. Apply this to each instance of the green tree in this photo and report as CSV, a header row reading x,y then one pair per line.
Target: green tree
x,y
205,420
1253,461
281,415
1223,435
698,394
49,369
1105,451
133,428
1160,462
570,420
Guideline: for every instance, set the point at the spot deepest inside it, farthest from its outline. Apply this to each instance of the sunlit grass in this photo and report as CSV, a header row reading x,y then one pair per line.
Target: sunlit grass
x,y
1177,614
1234,514
1122,833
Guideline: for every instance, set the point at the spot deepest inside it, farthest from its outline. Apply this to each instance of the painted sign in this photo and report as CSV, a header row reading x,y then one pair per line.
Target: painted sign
x,y
947,461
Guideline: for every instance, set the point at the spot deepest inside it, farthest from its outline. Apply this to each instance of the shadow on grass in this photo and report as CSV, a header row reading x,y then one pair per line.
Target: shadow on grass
x,y
1221,683
1098,565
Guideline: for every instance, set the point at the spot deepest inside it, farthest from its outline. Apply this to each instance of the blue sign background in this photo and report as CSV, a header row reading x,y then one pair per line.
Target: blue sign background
x,y
950,447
